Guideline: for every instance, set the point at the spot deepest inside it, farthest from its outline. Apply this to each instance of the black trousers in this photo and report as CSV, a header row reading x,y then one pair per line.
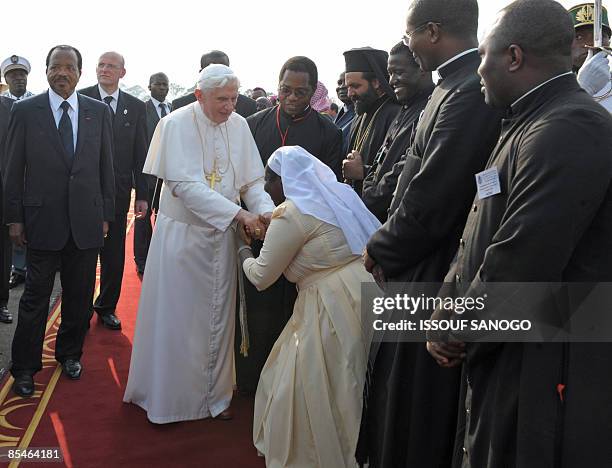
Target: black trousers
x,y
6,253
78,277
143,230
112,259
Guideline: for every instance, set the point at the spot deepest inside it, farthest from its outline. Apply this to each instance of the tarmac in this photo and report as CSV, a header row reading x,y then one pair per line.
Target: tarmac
x,y
8,329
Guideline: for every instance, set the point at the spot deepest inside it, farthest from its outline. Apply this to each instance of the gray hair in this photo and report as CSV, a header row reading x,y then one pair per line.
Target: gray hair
x,y
216,76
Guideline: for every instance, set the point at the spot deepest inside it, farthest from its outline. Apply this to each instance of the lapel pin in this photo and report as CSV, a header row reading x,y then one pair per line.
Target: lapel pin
x,y
124,111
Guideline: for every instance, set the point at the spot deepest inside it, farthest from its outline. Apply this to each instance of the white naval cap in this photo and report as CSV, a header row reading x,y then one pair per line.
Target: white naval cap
x,y
14,62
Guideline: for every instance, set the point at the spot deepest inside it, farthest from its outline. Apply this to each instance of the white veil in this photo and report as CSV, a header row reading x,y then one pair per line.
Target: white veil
x,y
313,187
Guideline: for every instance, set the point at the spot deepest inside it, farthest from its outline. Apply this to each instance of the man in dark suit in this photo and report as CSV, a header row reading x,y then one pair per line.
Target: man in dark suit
x,y
5,243
129,153
244,106
157,108
59,199
345,116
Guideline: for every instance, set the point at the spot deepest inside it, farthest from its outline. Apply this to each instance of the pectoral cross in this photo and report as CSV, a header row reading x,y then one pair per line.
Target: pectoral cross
x,y
212,178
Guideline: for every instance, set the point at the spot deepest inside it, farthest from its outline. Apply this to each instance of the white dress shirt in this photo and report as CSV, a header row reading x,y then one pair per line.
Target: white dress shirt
x,y
156,104
55,101
115,97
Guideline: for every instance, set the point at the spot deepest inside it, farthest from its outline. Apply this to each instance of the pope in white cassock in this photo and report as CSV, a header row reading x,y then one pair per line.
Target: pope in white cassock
x,y
183,349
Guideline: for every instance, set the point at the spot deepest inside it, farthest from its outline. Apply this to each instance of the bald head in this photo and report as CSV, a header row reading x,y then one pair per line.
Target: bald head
x,y
214,56
113,56
542,28
530,42
109,70
458,17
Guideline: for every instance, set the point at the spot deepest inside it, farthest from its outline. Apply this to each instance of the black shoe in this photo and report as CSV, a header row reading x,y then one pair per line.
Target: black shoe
x,y
24,385
110,321
72,368
15,280
5,315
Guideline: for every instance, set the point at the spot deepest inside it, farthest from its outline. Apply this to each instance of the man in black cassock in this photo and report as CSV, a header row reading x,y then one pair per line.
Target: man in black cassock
x,y
538,404
291,122
368,86
412,88
410,399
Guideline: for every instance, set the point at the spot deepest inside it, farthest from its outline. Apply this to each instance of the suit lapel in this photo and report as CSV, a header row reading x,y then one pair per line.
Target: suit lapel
x,y
120,113
84,123
154,115
96,92
47,122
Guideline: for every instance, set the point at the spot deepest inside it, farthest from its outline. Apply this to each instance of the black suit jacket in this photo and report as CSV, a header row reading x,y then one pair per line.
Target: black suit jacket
x,y
5,110
54,195
152,120
245,106
130,146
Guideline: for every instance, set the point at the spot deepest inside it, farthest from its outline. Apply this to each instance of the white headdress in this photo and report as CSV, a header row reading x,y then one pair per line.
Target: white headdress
x,y
313,187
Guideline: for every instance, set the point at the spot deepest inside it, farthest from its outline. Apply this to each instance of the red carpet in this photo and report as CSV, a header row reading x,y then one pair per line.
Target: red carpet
x,y
94,428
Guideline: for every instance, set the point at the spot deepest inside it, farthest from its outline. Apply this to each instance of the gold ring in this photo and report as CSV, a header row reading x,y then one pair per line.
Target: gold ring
x,y
257,231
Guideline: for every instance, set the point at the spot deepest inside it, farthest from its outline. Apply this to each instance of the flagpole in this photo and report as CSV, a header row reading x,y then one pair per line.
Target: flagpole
x,y
597,22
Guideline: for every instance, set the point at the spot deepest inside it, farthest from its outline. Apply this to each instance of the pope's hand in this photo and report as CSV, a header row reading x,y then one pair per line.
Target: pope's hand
x,y
352,166
595,73
266,218
252,224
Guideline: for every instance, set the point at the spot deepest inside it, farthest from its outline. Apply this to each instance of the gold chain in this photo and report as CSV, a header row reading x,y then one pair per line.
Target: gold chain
x,y
225,139
361,135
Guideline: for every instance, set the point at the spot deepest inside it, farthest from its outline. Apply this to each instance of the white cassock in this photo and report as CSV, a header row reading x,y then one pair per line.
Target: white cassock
x,y
183,349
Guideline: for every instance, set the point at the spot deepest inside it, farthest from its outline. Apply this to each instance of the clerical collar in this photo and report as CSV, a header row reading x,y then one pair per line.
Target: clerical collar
x,y
513,105
454,63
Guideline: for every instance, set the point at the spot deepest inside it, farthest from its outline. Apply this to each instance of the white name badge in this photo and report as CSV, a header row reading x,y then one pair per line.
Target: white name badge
x,y
488,183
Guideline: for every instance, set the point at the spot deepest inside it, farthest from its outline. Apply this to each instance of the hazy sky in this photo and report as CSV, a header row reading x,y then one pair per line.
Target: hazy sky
x,y
171,36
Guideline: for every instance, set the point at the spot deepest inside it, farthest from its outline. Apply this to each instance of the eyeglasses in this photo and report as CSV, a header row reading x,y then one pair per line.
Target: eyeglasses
x,y
300,93
406,37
